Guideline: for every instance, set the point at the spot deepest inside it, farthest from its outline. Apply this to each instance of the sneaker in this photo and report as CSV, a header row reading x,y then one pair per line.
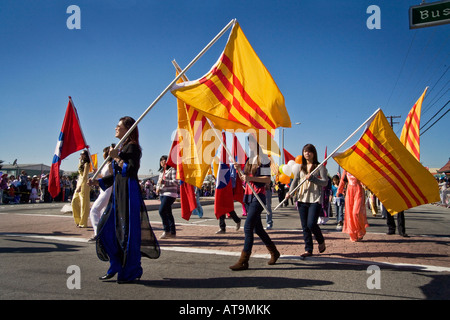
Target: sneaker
x,y
220,231
268,227
238,226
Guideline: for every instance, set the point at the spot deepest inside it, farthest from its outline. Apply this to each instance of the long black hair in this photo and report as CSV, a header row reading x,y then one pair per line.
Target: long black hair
x,y
164,157
309,147
134,135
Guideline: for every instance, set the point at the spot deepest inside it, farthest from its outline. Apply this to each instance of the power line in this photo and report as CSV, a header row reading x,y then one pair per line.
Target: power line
x,y
436,99
434,115
401,69
437,119
435,84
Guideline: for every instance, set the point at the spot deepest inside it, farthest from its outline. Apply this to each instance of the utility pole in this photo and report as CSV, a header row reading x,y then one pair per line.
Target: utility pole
x,y
391,120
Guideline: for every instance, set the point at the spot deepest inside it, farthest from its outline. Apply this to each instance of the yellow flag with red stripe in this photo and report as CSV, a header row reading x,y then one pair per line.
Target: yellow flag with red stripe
x,y
194,150
410,136
238,92
381,162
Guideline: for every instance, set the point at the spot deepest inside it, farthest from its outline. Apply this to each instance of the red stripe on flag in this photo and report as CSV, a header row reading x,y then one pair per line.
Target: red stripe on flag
x,y
238,85
415,115
229,86
411,144
215,90
397,164
413,131
386,165
380,171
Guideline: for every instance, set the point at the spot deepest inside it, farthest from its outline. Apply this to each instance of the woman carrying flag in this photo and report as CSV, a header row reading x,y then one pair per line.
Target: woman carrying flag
x,y
309,198
124,231
257,173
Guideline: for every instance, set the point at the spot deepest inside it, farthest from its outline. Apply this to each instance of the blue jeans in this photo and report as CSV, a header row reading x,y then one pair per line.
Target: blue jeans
x,y
269,220
339,212
165,212
253,224
309,213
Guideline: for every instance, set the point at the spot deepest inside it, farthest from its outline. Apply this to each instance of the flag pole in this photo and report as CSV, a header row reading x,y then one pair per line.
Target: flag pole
x,y
177,67
210,44
332,154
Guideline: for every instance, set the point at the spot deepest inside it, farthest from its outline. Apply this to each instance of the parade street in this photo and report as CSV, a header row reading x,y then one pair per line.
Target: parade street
x,y
44,256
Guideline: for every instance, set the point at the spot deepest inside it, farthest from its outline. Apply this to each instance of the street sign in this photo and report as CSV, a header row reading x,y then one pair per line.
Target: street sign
x,y
429,14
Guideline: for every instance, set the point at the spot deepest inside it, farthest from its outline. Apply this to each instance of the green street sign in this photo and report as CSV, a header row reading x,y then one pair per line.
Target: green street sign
x,y
429,14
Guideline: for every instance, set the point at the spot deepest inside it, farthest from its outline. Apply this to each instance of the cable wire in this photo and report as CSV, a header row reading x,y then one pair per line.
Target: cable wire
x,y
437,119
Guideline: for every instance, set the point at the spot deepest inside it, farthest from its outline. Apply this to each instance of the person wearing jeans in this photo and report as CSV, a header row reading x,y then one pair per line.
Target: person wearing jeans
x,y
253,224
257,174
165,212
269,219
338,201
309,213
167,188
309,197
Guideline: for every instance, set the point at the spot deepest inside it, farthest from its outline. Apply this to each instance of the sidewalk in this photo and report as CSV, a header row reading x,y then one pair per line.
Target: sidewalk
x,y
379,248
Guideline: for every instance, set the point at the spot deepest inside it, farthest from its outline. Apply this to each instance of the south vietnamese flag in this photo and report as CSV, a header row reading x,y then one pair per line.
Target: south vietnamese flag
x,y
383,164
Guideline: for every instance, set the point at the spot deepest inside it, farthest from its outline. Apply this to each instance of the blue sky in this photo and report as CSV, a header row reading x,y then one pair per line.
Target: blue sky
x,y
333,71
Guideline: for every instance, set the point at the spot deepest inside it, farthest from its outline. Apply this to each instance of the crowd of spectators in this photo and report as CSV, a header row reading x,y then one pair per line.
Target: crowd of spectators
x,y
33,189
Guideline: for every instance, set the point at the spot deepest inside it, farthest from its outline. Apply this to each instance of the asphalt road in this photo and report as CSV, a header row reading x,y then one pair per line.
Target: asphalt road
x,y
33,266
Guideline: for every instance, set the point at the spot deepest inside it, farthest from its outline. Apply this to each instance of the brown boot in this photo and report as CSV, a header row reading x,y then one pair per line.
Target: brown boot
x,y
274,254
242,264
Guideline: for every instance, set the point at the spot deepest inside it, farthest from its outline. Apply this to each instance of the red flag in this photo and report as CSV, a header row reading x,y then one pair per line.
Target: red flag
x,y
325,163
71,139
223,199
188,200
287,156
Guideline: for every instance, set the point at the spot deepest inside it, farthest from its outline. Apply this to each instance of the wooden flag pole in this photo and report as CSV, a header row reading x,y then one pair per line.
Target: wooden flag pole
x,y
332,154
210,44
238,167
